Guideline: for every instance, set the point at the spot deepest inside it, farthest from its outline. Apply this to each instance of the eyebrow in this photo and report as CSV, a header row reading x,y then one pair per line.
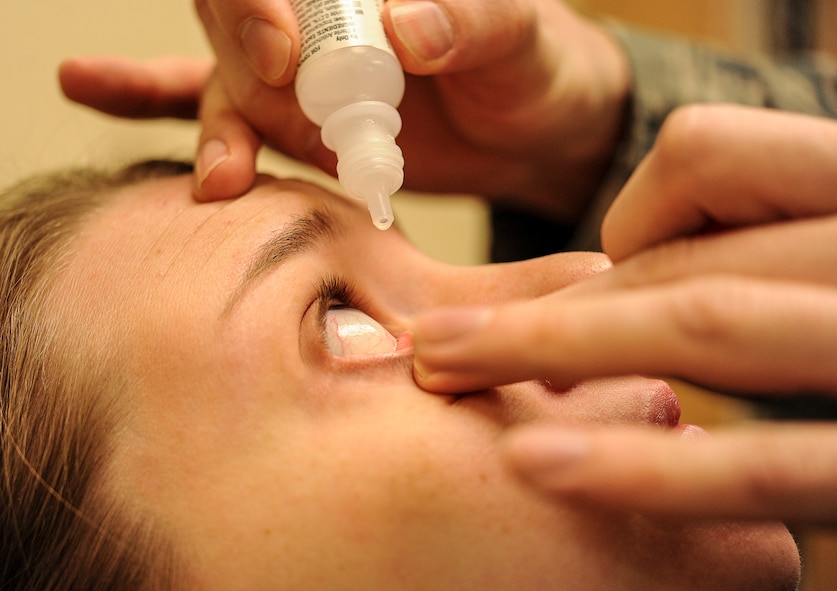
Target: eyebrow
x,y
300,235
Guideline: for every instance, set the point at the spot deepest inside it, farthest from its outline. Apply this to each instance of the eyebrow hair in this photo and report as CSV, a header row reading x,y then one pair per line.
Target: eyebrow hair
x,y
303,234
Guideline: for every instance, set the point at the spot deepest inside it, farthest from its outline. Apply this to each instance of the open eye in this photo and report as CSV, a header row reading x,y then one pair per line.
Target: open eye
x,y
350,332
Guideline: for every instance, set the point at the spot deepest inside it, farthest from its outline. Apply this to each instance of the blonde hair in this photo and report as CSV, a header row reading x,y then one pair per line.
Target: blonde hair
x,y
60,529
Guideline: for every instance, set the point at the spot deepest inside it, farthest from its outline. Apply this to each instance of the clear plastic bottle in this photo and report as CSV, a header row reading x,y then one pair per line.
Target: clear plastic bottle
x,y
349,82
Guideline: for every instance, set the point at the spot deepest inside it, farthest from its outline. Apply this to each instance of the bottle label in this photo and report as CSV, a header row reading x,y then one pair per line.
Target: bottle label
x,y
325,25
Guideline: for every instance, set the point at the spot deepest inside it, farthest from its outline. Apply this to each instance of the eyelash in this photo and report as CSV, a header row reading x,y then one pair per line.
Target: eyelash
x,y
335,292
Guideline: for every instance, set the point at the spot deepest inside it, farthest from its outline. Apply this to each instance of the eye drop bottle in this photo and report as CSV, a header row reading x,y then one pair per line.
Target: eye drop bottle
x,y
349,83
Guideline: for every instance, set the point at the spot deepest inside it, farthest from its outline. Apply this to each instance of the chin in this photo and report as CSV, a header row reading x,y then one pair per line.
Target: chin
x,y
732,556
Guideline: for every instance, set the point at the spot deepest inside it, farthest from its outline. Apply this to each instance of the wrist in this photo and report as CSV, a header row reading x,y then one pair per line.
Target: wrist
x,y
586,119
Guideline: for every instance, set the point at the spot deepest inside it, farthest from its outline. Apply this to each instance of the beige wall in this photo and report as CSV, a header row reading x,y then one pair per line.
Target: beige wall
x,y
40,130
737,24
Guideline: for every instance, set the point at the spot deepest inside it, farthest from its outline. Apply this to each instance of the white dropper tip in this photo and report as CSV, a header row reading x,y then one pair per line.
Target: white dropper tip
x,y
380,208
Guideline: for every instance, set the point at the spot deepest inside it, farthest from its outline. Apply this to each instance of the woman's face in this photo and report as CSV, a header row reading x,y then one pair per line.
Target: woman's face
x,y
274,426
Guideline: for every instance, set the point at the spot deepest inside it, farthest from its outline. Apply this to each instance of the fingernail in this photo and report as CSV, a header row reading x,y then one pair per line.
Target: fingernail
x,y
419,372
424,29
451,323
542,454
267,48
212,154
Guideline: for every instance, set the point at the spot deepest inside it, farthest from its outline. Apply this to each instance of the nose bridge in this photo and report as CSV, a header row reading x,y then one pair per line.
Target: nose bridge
x,y
496,284
499,283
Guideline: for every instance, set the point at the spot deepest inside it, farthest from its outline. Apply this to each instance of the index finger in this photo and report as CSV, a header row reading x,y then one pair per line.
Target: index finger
x,y
124,87
758,472
727,166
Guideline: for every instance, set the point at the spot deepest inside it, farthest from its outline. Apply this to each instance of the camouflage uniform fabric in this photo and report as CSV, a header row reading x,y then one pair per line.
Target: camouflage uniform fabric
x,y
669,72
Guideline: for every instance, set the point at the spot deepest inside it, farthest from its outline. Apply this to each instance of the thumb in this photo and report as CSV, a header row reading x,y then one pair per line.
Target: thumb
x,y
434,36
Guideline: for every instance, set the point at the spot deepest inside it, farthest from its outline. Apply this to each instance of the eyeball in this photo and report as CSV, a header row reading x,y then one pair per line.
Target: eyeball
x,y
350,332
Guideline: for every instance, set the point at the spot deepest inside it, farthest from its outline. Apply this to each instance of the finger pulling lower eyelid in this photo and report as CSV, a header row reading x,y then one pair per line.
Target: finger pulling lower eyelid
x,y
451,323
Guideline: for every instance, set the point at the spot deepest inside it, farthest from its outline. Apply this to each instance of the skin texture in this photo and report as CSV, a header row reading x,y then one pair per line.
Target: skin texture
x,y
277,465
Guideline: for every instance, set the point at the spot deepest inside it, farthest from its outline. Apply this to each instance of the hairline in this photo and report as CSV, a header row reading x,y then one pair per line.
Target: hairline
x,y
72,353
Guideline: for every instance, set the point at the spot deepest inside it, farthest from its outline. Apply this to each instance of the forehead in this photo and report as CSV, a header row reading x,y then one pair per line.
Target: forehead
x,y
154,224
157,216
153,236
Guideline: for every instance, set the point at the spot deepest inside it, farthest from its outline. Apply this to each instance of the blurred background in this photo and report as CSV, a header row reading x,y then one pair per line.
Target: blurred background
x,y
41,130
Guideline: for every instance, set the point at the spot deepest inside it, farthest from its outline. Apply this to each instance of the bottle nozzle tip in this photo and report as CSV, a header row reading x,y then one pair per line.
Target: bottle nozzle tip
x,y
380,209
382,222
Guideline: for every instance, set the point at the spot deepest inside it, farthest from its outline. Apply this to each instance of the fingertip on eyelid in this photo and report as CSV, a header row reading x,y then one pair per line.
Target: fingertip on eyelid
x,y
404,341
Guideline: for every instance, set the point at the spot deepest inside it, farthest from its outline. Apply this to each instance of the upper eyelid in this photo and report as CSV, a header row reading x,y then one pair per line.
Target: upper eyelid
x,y
331,288
302,234
336,288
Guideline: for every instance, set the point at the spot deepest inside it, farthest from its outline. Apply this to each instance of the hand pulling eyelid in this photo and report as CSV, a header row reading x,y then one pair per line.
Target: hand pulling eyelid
x,y
349,83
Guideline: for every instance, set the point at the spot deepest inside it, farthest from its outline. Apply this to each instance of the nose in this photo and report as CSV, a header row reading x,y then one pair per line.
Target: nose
x,y
499,283
440,368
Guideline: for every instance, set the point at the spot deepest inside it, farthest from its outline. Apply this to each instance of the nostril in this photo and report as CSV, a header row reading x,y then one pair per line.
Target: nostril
x,y
556,388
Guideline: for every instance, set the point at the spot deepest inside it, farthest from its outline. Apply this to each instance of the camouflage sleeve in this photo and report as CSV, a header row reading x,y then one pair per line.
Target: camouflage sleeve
x,y
669,72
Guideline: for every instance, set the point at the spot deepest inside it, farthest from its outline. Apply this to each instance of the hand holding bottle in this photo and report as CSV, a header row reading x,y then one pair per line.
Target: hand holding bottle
x,y
523,99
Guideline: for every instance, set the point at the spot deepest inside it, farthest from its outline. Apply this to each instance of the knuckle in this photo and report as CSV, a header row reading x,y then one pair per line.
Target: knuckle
x,y
712,309
541,333
672,259
690,145
679,136
771,473
203,10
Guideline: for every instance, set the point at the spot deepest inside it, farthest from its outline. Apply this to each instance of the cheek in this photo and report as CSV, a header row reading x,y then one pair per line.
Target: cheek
x,y
413,480
377,493
426,493
398,464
